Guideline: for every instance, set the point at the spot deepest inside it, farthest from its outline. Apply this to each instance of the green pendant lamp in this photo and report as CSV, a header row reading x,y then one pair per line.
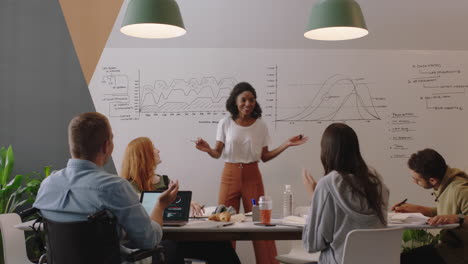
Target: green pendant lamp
x,y
153,19
336,20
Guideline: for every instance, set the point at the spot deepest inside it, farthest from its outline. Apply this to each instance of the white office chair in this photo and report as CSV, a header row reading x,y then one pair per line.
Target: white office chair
x,y
14,245
298,255
370,246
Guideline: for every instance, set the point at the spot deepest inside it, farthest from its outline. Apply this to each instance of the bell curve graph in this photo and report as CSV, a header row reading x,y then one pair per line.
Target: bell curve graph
x,y
339,98
206,94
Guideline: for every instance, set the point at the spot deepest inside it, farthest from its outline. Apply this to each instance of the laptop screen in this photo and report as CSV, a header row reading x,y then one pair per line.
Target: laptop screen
x,y
177,211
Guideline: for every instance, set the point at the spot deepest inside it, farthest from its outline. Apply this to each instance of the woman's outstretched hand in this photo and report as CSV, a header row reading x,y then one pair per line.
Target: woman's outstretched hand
x,y
297,140
202,145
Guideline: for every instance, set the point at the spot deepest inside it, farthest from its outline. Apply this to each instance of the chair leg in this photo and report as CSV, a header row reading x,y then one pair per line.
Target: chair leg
x,y
43,259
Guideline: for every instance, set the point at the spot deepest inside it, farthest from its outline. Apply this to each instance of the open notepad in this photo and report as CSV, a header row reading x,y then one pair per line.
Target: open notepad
x,y
294,221
407,218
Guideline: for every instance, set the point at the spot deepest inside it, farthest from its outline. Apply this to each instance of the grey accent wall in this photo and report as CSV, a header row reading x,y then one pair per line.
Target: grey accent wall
x,y
41,84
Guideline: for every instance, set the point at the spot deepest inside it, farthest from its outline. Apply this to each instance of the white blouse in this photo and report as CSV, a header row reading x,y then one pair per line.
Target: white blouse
x,y
242,144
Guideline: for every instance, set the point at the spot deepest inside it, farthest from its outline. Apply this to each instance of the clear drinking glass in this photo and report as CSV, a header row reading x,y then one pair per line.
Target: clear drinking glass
x,y
265,203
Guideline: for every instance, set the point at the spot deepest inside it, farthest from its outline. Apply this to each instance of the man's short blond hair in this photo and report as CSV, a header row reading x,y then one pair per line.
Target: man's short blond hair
x,y
87,134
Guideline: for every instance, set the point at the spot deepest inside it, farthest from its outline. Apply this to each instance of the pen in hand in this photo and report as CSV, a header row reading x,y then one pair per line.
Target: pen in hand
x,y
400,204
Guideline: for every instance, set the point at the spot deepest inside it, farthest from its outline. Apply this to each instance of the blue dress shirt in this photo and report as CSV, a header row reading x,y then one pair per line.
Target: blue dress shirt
x,y
83,188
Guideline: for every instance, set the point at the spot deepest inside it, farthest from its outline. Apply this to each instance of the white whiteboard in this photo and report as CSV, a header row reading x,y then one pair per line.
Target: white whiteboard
x,y
397,101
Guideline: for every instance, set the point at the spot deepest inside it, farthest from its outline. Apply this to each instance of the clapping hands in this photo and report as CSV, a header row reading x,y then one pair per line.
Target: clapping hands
x,y
309,182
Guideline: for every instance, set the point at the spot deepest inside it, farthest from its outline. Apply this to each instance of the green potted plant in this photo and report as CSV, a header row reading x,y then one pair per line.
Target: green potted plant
x,y
413,238
17,190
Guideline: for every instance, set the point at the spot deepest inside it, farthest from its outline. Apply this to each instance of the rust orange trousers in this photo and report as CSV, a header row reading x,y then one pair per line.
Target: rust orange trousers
x,y
244,181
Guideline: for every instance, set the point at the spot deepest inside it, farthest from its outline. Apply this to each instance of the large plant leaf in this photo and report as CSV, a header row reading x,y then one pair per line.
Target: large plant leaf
x,y
12,191
8,166
16,204
2,154
2,163
47,171
407,235
12,186
33,183
413,238
15,183
20,191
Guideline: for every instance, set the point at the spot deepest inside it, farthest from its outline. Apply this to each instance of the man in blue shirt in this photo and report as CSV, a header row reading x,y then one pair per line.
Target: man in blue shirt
x,y
84,188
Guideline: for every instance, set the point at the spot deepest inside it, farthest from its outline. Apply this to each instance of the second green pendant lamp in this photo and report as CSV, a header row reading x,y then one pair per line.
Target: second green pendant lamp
x,y
336,20
153,19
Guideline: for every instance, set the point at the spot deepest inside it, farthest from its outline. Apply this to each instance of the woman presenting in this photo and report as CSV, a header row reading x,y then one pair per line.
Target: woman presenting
x,y
242,139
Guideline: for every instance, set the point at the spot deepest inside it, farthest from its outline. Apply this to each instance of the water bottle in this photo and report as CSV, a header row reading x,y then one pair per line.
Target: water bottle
x,y
287,201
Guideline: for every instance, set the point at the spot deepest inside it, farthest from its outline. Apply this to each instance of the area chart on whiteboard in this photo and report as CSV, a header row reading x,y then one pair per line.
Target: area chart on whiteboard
x,y
338,98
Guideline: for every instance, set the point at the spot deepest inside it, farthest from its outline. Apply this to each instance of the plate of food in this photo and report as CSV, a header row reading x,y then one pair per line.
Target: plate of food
x,y
227,217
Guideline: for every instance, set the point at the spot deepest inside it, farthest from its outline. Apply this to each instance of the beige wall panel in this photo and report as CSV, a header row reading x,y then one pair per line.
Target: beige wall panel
x,y
90,23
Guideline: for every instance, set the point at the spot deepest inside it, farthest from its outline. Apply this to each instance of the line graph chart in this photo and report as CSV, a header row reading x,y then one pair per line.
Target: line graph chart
x,y
339,98
206,94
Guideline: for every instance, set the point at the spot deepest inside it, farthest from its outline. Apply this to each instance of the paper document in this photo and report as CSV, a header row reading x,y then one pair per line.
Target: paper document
x,y
407,218
208,211
207,224
294,220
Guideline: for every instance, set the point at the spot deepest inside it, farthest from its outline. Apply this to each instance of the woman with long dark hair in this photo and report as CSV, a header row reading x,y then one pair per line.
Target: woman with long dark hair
x,y
349,196
242,139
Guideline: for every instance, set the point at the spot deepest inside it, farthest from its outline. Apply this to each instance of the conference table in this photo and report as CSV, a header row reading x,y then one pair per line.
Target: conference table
x,y
199,231
410,226
249,231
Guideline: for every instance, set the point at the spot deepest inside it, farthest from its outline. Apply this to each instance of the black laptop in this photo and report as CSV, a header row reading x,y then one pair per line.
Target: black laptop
x,y
176,214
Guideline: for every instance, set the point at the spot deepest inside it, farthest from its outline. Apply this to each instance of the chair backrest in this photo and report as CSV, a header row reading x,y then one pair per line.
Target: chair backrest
x,y
93,242
14,246
298,255
369,246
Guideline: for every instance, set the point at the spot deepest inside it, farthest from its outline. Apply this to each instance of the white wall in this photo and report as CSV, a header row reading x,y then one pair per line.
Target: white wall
x,y
241,39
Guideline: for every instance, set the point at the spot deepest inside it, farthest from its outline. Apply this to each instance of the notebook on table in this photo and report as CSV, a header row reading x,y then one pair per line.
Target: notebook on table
x,y
407,218
176,214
